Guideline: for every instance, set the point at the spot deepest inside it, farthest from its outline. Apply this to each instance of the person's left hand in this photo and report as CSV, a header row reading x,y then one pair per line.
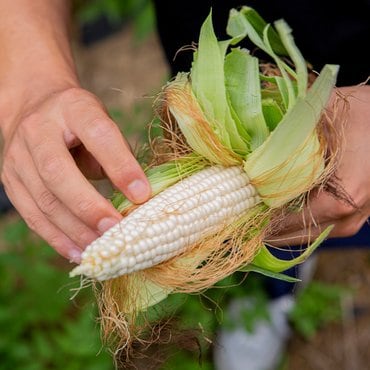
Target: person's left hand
x,y
323,209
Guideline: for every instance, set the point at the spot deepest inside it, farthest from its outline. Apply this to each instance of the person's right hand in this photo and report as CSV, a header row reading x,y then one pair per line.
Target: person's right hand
x,y
50,146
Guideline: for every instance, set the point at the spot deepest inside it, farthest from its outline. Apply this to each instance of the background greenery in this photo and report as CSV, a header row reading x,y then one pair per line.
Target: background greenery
x,y
140,13
43,326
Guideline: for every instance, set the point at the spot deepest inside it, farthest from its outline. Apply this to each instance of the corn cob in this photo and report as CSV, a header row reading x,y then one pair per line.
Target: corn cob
x,y
170,223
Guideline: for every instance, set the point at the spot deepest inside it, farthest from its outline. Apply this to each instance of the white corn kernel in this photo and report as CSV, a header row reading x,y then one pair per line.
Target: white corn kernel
x,y
169,223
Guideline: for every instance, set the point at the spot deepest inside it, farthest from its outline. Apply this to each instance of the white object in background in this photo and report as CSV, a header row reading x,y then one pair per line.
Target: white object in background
x,y
262,349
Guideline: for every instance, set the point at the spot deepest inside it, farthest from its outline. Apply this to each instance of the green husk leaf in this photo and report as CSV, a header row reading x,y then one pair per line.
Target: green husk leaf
x,y
300,64
163,176
264,259
239,26
271,90
283,89
147,293
208,85
285,70
268,273
244,90
290,159
194,125
272,113
259,24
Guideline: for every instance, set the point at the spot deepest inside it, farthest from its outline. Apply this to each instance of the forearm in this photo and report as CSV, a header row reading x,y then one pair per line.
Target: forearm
x,y
36,54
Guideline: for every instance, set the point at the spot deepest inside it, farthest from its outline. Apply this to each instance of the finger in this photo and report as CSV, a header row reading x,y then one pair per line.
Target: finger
x,y
322,208
62,178
344,227
102,138
37,222
51,206
297,238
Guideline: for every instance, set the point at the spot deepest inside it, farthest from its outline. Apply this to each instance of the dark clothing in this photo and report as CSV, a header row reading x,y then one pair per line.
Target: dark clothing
x,y
326,31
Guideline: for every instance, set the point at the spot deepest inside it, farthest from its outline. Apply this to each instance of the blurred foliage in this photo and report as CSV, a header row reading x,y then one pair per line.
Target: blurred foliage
x,y
202,315
317,305
41,327
140,12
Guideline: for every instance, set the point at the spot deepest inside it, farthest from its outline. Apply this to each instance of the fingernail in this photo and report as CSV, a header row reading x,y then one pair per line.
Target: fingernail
x,y
138,191
75,255
106,223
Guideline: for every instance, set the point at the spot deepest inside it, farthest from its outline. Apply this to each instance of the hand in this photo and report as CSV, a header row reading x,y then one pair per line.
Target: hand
x,y
353,172
49,147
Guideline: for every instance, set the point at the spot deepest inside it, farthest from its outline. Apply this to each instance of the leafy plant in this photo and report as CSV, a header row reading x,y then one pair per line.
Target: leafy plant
x,y
203,315
317,305
41,327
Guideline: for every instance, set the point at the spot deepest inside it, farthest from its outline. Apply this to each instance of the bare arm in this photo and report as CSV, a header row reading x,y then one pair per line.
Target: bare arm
x,y
49,123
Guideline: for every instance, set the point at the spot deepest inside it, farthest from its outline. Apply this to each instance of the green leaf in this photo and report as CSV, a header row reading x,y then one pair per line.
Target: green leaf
x,y
290,160
16,232
259,24
208,85
244,90
272,113
300,64
317,305
163,176
275,275
239,26
148,293
267,261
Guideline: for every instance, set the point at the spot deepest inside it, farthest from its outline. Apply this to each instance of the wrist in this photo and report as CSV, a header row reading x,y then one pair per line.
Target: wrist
x,y
36,55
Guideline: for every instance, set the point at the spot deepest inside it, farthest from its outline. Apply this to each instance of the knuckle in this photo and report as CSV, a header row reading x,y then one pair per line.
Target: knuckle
x,y
51,168
28,123
8,187
35,222
343,210
100,129
86,208
48,203
73,94
349,228
30,119
10,154
56,242
76,96
84,237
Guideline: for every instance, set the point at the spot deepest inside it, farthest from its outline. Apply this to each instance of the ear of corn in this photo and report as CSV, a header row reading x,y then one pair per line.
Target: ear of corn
x,y
252,145
170,222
